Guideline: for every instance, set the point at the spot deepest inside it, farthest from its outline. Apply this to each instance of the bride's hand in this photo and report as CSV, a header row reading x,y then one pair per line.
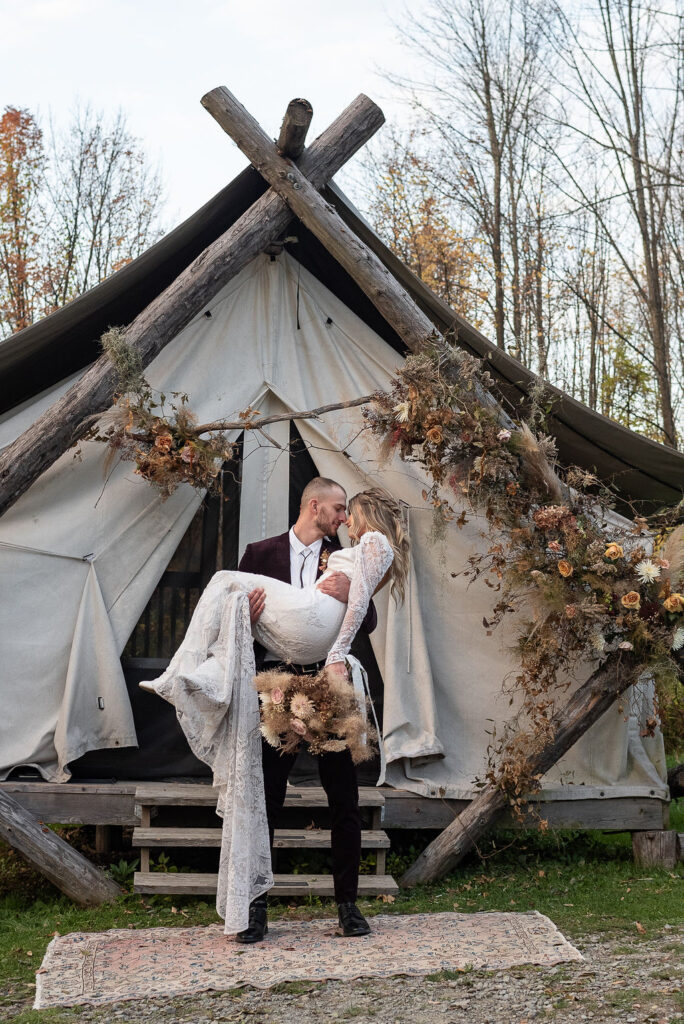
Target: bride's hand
x,y
338,668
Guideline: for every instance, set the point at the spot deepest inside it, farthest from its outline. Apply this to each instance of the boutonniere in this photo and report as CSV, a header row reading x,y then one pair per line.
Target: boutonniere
x,y
323,564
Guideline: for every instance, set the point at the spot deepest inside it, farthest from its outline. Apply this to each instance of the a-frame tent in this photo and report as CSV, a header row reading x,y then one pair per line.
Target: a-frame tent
x,y
81,555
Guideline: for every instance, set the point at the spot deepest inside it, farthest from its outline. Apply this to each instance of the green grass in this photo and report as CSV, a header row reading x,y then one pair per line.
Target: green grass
x,y
585,882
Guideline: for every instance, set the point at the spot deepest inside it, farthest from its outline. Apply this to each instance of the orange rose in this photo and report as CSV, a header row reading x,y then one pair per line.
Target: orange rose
x,y
632,601
434,435
564,568
613,551
164,442
674,603
512,489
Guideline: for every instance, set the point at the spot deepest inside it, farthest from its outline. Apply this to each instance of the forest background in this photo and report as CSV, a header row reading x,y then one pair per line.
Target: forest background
x,y
534,182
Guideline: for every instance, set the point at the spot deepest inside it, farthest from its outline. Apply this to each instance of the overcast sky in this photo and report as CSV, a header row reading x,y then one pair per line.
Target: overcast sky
x,y
156,58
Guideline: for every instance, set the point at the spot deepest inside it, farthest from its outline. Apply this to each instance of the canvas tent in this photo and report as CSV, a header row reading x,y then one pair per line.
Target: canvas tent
x,y
81,555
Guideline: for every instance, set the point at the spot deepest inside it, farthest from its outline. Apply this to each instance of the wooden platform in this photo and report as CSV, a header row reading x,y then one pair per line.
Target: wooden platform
x,y
113,803
179,794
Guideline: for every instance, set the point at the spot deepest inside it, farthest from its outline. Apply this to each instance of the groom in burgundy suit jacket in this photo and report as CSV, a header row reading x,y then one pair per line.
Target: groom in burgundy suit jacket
x,y
298,557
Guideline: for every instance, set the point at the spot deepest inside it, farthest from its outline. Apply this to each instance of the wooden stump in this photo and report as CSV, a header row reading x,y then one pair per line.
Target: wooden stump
x,y
656,849
65,867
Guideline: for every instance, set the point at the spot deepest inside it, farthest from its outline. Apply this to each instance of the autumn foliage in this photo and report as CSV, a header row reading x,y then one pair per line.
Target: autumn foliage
x,y
75,206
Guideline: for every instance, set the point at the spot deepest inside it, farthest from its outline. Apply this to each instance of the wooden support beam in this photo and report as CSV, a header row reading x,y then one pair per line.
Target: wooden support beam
x,y
412,325
585,707
65,867
293,130
60,426
381,287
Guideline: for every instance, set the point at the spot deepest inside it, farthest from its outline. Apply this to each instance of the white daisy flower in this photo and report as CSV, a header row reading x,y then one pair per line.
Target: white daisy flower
x,y
403,411
647,571
270,735
301,706
678,639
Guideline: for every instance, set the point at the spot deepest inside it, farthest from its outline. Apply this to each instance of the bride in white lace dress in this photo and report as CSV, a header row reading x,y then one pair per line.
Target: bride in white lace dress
x,y
210,678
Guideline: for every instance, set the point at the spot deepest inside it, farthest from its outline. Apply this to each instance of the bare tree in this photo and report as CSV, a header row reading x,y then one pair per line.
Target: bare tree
x,y
416,219
487,78
102,203
623,106
71,214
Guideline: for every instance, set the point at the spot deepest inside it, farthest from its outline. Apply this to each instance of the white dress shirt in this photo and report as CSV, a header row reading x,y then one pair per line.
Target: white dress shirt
x,y
303,568
303,560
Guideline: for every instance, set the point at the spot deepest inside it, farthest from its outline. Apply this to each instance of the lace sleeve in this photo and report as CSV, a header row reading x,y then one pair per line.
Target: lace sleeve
x,y
373,559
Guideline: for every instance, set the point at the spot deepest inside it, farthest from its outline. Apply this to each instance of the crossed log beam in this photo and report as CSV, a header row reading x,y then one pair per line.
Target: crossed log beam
x,y
68,419
294,190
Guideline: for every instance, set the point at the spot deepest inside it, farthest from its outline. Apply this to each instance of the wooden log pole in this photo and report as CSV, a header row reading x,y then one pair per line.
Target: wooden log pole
x,y
65,867
386,294
391,300
66,420
587,704
293,130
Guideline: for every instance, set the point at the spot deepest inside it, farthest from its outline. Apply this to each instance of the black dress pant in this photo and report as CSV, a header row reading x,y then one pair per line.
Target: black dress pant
x,y
338,778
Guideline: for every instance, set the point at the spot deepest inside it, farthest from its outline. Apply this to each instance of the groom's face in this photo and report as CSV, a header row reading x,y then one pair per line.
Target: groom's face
x,y
331,512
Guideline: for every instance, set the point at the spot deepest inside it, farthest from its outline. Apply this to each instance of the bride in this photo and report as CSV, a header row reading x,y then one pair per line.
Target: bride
x,y
210,678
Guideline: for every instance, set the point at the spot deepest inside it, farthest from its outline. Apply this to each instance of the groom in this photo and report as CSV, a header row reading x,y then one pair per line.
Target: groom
x,y
298,557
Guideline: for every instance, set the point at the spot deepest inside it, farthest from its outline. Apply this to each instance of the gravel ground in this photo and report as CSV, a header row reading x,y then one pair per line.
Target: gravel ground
x,y
631,979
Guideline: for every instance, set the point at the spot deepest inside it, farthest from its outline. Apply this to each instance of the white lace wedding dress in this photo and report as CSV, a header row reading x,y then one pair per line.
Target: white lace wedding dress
x,y
210,683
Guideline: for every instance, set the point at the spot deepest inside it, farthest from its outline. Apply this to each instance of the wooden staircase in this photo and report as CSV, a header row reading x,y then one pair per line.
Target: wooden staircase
x,y
146,836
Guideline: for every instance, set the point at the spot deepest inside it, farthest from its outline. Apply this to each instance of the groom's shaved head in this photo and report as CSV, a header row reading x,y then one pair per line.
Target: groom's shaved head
x,y
320,487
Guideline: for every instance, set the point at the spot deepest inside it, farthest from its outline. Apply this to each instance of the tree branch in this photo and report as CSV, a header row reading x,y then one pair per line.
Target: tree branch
x,y
245,424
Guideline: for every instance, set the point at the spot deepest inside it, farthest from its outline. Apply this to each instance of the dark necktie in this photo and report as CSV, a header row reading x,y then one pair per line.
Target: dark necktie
x,y
304,556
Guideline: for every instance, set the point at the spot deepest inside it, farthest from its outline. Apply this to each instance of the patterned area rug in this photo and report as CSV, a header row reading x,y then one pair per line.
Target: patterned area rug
x,y
104,967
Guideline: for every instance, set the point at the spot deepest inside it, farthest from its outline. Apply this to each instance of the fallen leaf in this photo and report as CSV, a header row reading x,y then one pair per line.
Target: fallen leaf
x,y
640,928
173,910
386,898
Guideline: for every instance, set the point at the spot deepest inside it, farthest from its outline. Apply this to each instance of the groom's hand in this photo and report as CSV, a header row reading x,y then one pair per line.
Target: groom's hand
x,y
257,602
335,585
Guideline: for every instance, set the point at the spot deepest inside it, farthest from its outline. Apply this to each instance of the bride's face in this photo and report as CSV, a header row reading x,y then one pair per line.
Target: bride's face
x,y
356,526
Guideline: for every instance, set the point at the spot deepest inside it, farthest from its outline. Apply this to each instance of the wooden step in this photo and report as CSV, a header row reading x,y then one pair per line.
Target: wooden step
x,y
190,794
186,884
285,838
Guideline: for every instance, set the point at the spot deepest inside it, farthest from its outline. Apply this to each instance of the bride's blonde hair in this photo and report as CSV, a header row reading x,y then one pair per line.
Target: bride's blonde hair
x,y
378,510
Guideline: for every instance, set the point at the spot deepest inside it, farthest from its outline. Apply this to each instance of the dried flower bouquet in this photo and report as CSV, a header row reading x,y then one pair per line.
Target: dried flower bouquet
x,y
321,710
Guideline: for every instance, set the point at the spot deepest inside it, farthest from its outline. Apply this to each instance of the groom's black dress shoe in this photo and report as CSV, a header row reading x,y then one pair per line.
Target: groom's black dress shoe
x,y
258,925
352,921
